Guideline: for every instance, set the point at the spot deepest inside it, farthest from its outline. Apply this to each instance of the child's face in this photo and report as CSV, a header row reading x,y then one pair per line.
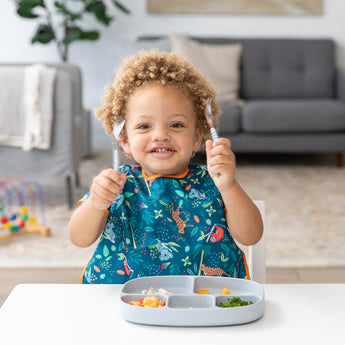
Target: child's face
x,y
161,130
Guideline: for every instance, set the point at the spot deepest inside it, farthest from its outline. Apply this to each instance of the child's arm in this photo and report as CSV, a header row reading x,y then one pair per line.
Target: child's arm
x,y
88,221
243,217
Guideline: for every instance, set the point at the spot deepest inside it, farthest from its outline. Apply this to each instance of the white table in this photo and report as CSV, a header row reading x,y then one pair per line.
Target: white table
x,y
89,314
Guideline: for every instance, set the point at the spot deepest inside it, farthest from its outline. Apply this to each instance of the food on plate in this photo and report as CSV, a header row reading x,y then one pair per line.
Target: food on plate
x,y
151,291
204,291
148,302
226,291
234,302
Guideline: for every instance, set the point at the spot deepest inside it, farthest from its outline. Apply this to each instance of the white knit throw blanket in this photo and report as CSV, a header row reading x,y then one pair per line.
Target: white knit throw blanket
x,y
26,106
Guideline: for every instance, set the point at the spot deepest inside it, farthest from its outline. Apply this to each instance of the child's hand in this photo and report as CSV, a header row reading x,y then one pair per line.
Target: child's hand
x,y
221,162
105,188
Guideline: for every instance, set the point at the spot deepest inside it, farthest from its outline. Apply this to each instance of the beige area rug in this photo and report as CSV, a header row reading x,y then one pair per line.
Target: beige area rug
x,y
305,213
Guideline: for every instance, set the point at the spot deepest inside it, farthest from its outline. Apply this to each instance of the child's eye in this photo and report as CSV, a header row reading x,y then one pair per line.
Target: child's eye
x,y
144,126
177,125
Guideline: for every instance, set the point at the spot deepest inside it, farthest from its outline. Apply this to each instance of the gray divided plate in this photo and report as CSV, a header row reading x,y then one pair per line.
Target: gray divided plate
x,y
185,307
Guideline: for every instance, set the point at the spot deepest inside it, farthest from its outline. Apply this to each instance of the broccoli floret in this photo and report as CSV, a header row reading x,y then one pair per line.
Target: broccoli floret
x,y
234,302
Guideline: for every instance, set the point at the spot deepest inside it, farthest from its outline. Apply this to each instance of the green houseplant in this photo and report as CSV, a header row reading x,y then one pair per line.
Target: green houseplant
x,y
60,21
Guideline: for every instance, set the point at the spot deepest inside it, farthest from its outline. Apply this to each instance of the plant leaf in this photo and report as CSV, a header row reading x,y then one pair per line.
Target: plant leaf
x,y
194,231
121,7
105,251
179,193
223,258
74,33
62,9
25,8
173,244
99,10
26,14
190,272
121,256
44,34
89,35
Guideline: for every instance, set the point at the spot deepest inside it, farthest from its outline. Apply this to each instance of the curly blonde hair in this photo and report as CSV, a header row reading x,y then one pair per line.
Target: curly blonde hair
x,y
157,67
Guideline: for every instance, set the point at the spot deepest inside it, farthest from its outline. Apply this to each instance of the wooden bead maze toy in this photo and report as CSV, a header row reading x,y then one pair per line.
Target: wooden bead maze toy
x,y
18,209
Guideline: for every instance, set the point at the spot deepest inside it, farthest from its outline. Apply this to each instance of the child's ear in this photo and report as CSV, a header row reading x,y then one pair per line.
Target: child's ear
x,y
125,145
197,141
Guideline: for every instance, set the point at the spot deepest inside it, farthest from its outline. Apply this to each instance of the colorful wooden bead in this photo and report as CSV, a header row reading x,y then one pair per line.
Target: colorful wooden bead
x,y
12,216
7,226
14,228
23,210
24,217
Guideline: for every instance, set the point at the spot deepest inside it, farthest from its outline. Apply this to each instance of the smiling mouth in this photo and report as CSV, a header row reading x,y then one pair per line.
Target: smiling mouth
x,y
162,150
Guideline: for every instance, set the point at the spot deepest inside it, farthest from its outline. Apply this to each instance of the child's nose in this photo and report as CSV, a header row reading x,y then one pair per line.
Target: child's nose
x,y
161,134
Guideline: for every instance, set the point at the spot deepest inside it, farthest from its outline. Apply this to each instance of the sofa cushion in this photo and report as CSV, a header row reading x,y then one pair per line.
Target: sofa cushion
x,y
288,68
218,63
283,68
293,116
229,120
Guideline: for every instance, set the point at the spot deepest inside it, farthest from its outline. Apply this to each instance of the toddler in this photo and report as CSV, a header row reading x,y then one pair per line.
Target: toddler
x,y
164,216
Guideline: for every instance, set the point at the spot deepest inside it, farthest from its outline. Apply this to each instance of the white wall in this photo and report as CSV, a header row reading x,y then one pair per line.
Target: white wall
x,y
98,59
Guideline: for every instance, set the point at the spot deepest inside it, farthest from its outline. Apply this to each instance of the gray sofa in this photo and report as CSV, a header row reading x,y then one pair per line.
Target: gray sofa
x,y
70,136
293,92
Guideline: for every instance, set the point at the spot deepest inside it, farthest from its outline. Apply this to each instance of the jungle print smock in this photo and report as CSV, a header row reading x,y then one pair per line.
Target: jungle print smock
x,y
165,225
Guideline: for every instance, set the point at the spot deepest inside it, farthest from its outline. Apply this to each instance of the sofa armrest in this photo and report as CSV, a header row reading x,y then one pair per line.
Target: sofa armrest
x,y
340,84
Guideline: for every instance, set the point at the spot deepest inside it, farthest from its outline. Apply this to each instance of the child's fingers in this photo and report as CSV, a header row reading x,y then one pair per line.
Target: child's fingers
x,y
223,156
223,141
220,153
220,161
106,186
123,178
110,179
209,144
114,176
222,145
100,199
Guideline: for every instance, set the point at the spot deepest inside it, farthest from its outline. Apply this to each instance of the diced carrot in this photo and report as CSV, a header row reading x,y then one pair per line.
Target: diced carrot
x,y
203,291
148,302
226,291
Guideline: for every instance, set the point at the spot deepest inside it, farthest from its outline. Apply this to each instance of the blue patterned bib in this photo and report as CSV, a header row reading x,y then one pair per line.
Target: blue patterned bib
x,y
165,225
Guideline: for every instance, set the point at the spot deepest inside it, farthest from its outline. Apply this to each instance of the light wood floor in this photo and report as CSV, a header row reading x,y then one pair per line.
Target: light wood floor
x,y
9,278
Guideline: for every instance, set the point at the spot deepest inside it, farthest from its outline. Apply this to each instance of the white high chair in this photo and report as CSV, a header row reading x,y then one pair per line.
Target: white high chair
x,y
256,254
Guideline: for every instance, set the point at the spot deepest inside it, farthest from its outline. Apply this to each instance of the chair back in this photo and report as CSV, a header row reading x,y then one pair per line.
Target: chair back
x,y
256,254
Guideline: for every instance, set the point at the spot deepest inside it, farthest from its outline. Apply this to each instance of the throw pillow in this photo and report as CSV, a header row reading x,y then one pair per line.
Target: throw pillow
x,y
219,63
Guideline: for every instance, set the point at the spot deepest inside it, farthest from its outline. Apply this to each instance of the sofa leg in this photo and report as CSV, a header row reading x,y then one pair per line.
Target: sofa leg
x,y
339,159
69,192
